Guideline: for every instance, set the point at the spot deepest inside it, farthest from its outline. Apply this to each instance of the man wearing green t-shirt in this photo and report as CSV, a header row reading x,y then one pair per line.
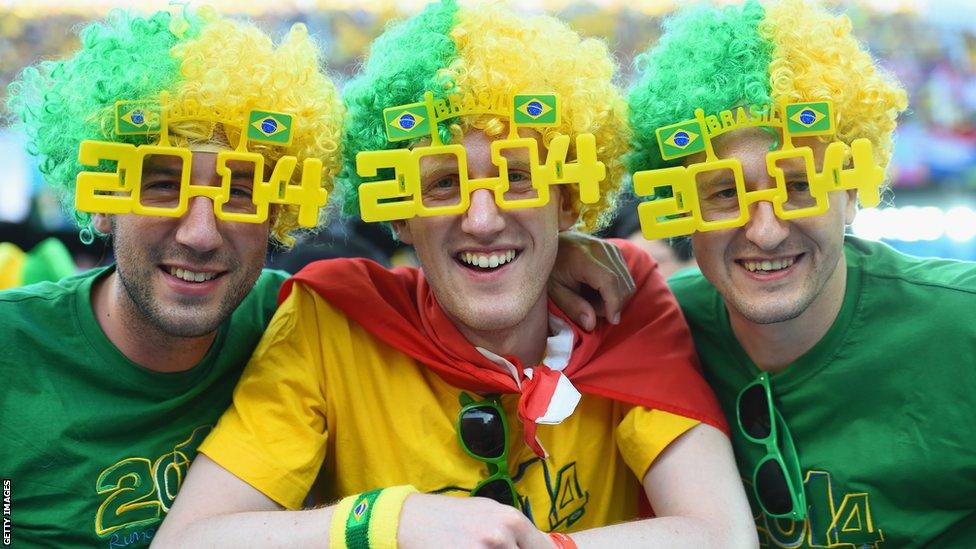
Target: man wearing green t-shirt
x,y
847,368
112,378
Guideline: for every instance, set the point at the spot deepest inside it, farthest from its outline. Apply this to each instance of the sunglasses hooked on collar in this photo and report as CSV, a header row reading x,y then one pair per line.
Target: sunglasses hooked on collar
x,y
776,480
483,433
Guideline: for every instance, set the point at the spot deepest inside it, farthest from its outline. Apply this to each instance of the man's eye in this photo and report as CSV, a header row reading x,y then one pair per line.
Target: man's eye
x,y
442,183
240,192
520,185
160,185
724,194
798,186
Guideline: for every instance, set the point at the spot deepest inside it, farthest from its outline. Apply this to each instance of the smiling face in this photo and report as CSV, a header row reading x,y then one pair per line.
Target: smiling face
x,y
488,267
773,270
186,275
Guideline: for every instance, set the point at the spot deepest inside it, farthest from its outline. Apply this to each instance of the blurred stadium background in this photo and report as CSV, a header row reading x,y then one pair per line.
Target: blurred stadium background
x,y
929,44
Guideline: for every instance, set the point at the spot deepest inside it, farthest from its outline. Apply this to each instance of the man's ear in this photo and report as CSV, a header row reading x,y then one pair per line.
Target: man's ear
x,y
102,223
568,214
850,209
402,229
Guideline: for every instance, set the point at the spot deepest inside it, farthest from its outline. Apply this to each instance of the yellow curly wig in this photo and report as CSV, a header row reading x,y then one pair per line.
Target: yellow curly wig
x,y
815,58
718,58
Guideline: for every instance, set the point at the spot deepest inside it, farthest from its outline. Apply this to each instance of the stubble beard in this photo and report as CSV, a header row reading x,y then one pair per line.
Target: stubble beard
x,y
772,313
770,308
179,320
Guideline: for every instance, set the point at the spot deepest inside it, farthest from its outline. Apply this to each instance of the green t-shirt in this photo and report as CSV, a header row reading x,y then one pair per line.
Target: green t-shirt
x,y
882,409
95,446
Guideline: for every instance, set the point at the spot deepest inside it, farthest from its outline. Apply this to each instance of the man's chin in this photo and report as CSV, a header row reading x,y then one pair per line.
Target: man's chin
x,y
188,322
766,312
490,318
489,308
190,329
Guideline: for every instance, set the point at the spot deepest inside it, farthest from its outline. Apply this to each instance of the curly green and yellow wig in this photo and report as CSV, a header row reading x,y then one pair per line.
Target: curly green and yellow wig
x,y
795,51
484,47
202,60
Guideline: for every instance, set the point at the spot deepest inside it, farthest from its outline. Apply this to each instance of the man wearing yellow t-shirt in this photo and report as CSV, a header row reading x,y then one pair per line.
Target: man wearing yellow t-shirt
x,y
403,390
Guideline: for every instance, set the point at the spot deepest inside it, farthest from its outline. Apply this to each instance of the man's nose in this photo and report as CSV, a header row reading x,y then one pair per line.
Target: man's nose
x,y
764,228
483,217
198,228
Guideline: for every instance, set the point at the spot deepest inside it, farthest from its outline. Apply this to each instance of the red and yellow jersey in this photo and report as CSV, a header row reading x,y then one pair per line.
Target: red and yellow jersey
x,y
323,394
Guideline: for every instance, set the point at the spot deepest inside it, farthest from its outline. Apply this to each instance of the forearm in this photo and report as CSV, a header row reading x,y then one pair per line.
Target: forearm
x,y
424,521
694,488
251,529
671,532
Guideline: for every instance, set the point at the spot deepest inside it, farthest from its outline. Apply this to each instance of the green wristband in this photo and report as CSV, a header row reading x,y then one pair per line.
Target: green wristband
x,y
357,523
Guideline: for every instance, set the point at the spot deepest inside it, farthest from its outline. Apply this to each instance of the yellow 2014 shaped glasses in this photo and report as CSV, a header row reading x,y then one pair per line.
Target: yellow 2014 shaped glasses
x,y
712,195
124,191
408,195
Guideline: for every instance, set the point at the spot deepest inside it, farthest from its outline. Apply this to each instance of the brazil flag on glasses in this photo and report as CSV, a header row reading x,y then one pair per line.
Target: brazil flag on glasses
x,y
681,139
406,122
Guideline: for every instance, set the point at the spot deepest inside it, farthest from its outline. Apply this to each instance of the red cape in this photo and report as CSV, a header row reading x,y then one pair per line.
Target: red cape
x,y
647,360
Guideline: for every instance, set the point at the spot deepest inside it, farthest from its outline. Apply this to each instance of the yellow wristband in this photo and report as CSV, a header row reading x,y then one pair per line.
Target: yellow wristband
x,y
337,529
386,517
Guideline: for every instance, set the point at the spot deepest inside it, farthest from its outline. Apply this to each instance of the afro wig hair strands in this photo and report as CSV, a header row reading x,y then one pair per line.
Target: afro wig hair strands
x,y
789,51
196,58
484,48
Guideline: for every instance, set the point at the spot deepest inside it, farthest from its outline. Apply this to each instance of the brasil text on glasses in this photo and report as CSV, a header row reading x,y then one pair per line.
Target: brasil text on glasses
x,y
125,192
712,194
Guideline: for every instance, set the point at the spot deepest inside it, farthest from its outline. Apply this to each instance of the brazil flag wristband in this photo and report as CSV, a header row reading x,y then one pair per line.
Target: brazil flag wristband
x,y
368,520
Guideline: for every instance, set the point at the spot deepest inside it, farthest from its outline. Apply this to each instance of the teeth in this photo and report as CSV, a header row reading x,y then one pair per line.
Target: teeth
x,y
487,261
768,264
191,276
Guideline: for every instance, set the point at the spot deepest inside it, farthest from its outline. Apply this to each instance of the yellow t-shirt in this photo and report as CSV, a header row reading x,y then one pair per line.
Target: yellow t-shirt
x,y
321,393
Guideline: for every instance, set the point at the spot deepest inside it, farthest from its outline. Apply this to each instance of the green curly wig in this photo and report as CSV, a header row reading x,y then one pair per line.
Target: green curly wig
x,y
719,58
201,59
484,47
